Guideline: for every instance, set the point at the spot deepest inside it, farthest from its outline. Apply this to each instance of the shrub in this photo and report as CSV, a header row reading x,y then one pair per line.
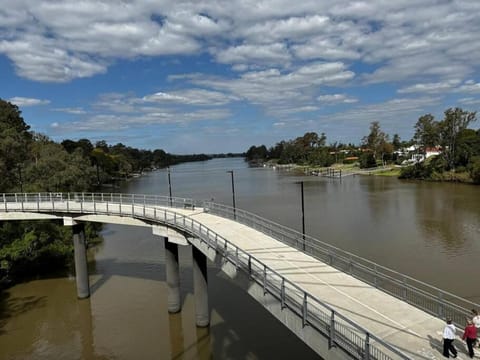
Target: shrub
x,y
474,169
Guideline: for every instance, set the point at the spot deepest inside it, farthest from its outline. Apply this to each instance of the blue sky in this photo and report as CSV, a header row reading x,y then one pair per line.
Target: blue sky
x,y
219,76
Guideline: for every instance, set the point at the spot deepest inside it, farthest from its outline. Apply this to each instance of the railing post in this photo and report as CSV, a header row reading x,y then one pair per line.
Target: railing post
x,y
101,196
16,198
51,199
94,204
331,338
264,280
375,278
249,267
366,352
68,202
5,202
282,294
236,258
404,288
304,310
22,203
440,305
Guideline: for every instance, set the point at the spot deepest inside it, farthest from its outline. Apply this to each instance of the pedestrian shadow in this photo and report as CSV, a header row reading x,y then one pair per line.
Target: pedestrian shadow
x,y
436,344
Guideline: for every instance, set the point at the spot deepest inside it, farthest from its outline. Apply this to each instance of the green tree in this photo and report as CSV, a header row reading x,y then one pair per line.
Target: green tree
x,y
54,169
375,140
396,142
474,169
455,121
15,140
426,132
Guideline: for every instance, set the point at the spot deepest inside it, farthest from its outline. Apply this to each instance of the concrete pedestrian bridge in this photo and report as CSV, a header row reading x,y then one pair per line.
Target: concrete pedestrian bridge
x,y
342,306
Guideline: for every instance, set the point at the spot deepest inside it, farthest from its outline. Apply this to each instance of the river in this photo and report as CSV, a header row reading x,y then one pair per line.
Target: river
x,y
430,231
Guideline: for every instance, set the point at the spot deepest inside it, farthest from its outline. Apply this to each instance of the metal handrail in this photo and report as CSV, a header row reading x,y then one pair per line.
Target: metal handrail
x,y
339,329
426,297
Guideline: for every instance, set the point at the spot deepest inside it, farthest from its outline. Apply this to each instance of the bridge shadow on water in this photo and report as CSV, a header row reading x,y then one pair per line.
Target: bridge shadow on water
x,y
241,328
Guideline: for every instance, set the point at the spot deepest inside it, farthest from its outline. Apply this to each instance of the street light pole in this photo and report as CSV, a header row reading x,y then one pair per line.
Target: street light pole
x,y
169,186
303,215
233,195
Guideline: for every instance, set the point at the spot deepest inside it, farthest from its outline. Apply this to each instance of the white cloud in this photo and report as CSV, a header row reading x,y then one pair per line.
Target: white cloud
x,y
395,115
430,88
199,97
71,110
336,99
23,101
427,41
41,59
470,87
276,53
147,117
279,92
469,101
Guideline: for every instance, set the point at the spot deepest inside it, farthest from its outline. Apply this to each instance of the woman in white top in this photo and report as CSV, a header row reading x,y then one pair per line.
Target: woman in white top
x,y
448,337
476,322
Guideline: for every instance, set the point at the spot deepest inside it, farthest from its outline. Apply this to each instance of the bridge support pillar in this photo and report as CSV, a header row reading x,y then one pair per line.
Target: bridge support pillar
x,y
80,252
200,286
172,270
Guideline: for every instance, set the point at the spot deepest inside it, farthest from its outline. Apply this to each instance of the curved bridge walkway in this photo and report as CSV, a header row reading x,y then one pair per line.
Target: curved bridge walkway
x,y
339,304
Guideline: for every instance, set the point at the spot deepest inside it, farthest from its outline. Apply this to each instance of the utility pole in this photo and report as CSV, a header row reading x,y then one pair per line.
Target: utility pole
x,y
303,215
233,195
169,186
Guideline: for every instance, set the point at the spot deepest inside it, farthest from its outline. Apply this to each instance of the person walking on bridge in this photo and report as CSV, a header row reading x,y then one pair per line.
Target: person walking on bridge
x,y
476,322
448,337
470,336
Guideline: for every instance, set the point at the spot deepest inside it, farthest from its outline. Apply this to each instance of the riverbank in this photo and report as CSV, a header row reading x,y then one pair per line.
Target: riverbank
x,y
342,170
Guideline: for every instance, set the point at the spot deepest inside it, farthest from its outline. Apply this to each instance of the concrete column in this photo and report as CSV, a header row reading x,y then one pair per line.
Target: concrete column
x,y
81,271
172,270
200,287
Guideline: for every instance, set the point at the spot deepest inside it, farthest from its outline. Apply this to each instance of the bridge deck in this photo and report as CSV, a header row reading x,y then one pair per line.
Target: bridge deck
x,y
413,331
404,326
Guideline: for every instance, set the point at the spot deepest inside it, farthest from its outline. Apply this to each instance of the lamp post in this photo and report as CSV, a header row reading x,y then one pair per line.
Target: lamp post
x,y
169,186
303,215
233,195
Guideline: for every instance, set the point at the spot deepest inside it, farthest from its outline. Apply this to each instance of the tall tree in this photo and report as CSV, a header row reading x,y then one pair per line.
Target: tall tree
x,y
427,132
14,144
376,139
455,121
396,142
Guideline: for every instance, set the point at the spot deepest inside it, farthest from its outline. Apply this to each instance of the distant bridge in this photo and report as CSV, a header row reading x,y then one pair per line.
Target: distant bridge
x,y
342,306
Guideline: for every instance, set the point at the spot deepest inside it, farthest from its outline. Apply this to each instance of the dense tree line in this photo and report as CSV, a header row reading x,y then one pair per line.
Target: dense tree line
x,y
120,161
31,162
459,148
